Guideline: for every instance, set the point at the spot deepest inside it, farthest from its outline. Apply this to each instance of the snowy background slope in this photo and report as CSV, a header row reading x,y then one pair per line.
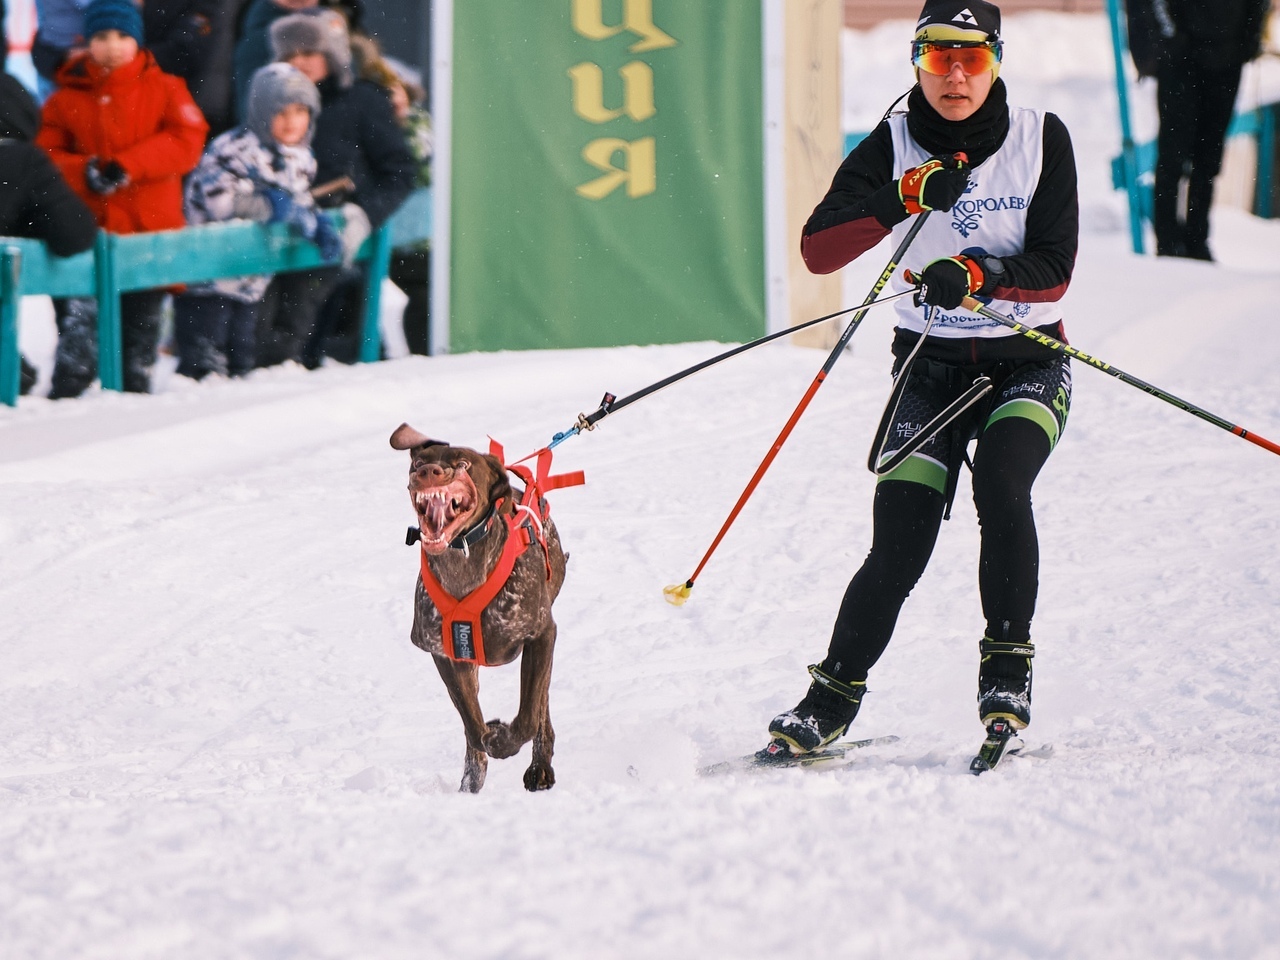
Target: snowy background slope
x,y
216,740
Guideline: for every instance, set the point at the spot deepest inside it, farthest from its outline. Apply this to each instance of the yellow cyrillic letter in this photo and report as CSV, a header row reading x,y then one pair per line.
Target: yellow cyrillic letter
x,y
637,16
638,172
588,92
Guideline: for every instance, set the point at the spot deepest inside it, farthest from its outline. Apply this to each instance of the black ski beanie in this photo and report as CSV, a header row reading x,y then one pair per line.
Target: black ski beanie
x,y
19,113
972,21
979,136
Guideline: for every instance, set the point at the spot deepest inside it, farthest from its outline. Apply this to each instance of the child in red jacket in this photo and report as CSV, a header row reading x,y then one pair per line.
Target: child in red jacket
x,y
123,132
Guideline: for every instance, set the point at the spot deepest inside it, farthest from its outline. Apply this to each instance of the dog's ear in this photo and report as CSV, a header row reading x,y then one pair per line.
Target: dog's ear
x,y
406,438
500,486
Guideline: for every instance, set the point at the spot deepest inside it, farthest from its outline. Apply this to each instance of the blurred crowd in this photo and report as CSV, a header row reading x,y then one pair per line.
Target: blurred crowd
x,y
176,112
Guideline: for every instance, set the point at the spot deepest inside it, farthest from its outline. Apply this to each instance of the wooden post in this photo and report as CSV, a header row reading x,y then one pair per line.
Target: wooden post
x,y
812,143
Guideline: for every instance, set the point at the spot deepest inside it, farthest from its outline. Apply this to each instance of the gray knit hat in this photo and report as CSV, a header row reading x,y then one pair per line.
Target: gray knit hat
x,y
317,30
273,88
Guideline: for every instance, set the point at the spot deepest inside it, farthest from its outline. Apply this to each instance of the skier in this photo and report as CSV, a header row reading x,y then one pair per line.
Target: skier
x,y
1003,182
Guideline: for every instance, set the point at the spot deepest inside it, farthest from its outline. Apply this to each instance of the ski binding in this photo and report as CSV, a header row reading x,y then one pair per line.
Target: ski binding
x,y
778,754
1002,739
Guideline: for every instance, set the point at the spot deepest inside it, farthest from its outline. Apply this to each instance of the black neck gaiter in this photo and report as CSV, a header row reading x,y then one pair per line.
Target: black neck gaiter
x,y
979,136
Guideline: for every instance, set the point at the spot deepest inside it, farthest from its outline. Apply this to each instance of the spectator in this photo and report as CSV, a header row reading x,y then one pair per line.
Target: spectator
x,y
123,132
192,39
259,171
1196,51
410,266
59,33
357,138
253,49
36,201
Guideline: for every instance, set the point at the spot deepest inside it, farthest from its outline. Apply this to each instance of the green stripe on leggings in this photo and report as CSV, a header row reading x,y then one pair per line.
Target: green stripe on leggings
x,y
1031,410
918,469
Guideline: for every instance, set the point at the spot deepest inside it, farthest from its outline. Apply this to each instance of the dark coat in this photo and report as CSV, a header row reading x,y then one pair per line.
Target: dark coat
x,y
192,39
35,200
1222,35
357,136
253,49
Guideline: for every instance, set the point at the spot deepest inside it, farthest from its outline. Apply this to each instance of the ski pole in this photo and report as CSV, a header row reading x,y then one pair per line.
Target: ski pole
x,y
610,404
969,303
678,593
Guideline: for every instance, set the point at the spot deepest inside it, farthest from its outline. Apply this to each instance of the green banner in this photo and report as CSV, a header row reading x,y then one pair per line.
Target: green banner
x,y
607,173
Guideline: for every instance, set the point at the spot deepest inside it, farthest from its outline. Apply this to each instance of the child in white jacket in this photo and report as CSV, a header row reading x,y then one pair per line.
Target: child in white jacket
x,y
259,171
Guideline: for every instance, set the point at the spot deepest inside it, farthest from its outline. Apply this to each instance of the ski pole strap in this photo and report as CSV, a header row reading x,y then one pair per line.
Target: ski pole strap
x,y
990,648
850,691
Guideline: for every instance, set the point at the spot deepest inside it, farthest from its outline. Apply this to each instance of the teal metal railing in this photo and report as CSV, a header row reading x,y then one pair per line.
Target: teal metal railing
x,y
120,263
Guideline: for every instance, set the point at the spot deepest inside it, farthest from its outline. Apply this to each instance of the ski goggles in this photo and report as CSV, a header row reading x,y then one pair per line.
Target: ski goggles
x,y
938,57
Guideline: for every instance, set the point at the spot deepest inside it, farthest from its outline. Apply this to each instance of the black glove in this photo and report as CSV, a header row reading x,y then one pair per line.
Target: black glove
x,y
104,177
946,282
934,185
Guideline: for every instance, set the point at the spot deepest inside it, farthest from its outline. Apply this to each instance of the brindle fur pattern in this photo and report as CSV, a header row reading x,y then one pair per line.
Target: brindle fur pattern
x,y
517,622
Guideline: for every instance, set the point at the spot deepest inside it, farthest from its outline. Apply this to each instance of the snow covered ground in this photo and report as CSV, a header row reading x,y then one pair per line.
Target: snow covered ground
x,y
217,742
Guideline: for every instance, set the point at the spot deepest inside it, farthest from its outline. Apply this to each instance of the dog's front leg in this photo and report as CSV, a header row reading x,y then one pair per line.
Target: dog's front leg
x,y
462,680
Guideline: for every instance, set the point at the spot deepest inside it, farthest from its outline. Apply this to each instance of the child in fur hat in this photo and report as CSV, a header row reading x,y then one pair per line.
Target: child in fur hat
x,y
123,132
259,171
357,137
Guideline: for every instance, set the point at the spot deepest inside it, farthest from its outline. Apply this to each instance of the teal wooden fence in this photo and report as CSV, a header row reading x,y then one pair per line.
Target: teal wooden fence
x,y
142,261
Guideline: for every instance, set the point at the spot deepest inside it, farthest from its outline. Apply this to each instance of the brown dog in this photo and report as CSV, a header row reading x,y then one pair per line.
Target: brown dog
x,y
466,514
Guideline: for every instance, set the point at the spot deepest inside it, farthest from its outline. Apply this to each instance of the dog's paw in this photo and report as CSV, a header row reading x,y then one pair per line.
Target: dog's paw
x,y
539,776
499,741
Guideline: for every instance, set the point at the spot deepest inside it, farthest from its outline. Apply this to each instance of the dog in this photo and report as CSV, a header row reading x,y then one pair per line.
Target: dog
x,y
467,512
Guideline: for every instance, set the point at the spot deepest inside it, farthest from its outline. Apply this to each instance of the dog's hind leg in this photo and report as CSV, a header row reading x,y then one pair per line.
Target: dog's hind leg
x,y
462,680
540,776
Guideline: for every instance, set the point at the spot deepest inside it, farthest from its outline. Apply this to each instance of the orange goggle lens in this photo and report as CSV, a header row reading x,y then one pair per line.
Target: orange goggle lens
x,y
939,58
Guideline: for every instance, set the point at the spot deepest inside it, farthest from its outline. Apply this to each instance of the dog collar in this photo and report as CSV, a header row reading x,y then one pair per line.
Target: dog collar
x,y
465,541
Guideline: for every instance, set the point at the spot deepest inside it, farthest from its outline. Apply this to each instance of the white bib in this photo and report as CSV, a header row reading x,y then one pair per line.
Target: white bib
x,y
991,219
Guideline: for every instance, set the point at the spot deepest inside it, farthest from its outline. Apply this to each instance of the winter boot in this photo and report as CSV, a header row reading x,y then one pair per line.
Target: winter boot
x,y
822,716
27,375
75,362
1004,681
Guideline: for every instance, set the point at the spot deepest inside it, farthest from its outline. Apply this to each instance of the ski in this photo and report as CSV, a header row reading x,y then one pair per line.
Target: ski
x,y
778,754
1002,740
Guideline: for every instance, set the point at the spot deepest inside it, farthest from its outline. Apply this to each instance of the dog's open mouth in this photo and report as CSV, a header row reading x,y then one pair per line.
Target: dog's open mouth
x,y
444,512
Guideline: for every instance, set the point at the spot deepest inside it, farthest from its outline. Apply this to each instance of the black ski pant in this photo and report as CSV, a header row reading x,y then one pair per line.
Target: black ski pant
x,y
411,272
75,363
1195,107
214,334
290,311
906,518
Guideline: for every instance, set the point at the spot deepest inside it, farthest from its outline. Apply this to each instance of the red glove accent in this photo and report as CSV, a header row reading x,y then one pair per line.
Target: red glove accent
x,y
934,185
947,281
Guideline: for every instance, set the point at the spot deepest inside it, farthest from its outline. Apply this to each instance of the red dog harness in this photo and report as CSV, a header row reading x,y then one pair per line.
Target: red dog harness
x,y
461,633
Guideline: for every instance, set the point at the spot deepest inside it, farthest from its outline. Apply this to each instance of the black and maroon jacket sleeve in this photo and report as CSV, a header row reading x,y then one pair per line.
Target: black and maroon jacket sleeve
x,y
1041,272
860,209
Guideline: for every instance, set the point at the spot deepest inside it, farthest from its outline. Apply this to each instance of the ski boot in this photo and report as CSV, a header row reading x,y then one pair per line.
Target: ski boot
x,y
1004,682
822,716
